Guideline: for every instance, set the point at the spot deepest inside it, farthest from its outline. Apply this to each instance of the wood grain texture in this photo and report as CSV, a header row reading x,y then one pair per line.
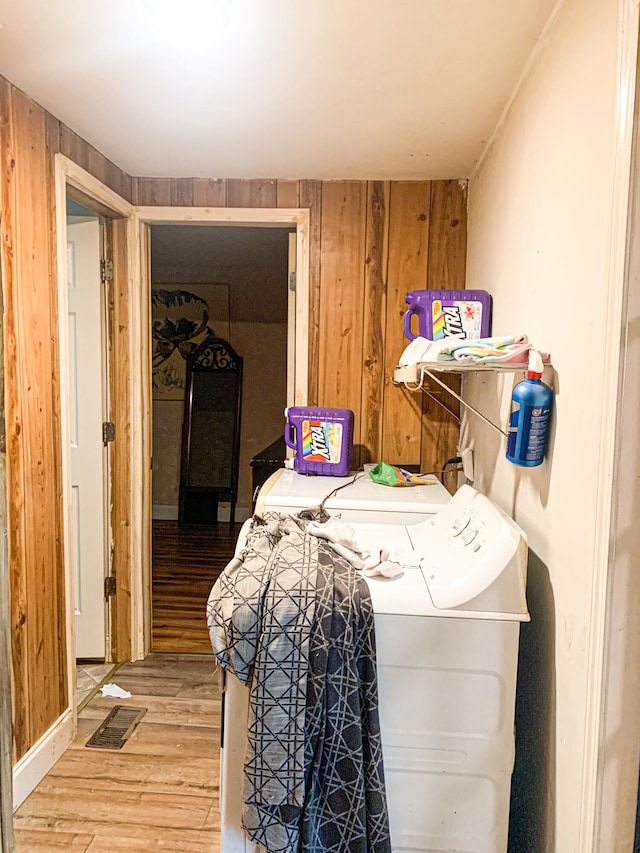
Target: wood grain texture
x,y
446,270
287,193
375,312
160,792
52,142
251,193
409,227
121,474
182,192
211,192
448,236
185,564
38,488
344,210
310,196
13,415
151,191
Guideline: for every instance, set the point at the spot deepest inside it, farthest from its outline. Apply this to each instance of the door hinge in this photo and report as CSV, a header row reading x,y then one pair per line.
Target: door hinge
x,y
106,269
109,587
108,432
292,281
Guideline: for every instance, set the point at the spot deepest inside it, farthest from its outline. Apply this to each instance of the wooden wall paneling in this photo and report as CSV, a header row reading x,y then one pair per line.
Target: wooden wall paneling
x,y
152,191
182,192
73,147
81,152
117,180
6,621
342,239
440,431
242,193
310,196
44,576
409,227
287,193
13,414
448,240
52,142
65,141
446,271
120,396
375,315
209,192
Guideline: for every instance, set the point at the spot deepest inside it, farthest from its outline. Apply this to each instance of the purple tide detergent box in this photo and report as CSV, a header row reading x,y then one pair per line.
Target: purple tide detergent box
x,y
443,313
322,439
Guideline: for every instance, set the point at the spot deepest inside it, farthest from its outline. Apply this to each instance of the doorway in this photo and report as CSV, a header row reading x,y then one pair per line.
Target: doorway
x,y
96,244
231,283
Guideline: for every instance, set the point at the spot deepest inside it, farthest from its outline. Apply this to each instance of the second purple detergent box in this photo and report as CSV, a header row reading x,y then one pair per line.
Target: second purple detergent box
x,y
322,439
444,313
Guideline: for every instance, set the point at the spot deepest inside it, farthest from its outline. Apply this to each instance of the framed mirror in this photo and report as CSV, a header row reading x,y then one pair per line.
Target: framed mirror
x,y
210,433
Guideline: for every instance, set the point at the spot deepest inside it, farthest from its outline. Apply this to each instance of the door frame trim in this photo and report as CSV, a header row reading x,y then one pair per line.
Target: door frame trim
x,y
109,203
300,218
600,667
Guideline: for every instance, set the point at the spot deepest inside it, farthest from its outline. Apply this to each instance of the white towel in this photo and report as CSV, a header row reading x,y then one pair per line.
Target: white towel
x,y
371,562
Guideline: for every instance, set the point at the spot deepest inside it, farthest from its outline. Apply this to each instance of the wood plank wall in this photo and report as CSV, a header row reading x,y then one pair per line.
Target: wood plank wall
x,y
29,139
371,243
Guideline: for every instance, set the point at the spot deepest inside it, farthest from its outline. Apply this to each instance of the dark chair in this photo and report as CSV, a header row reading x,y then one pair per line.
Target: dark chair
x,y
210,432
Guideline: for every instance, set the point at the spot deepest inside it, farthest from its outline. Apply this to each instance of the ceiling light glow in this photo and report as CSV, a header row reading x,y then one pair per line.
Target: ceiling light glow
x,y
192,22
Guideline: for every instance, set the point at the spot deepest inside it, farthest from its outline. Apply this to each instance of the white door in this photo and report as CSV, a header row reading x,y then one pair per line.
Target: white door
x,y
88,455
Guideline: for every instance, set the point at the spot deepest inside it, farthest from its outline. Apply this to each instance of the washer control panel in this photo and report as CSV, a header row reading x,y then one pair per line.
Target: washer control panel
x,y
466,547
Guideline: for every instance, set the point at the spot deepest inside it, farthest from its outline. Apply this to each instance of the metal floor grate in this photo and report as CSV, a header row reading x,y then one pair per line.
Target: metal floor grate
x,y
117,728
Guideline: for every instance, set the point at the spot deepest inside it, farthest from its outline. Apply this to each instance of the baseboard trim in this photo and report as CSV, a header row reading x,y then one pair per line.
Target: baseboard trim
x,y
164,512
37,762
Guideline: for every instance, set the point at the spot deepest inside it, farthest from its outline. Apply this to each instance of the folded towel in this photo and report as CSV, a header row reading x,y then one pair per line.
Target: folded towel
x,y
511,349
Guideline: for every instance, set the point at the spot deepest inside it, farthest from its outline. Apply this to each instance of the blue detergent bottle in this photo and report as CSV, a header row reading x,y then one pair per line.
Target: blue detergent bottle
x,y
529,422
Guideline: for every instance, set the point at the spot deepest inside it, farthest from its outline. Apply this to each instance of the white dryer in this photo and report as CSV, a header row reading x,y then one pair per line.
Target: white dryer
x,y
447,651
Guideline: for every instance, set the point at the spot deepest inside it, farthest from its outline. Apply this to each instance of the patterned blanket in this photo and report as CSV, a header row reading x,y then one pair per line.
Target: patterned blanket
x,y
294,622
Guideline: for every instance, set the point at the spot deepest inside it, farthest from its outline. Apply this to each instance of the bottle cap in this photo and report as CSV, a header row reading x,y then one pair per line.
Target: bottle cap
x,y
535,365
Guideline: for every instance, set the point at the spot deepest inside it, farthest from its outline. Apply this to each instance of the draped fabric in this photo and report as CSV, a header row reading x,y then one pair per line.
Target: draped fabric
x,y
294,621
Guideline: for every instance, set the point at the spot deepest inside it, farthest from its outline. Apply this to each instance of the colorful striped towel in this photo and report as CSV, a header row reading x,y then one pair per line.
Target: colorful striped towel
x,y
510,349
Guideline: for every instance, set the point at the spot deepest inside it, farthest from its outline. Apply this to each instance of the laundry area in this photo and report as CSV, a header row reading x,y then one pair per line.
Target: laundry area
x,y
364,449
446,654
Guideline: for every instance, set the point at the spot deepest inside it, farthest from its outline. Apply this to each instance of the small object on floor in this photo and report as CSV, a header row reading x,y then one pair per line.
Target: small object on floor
x,y
114,690
117,728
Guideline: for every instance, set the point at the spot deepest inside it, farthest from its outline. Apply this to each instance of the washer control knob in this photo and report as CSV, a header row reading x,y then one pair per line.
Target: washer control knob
x,y
469,535
458,525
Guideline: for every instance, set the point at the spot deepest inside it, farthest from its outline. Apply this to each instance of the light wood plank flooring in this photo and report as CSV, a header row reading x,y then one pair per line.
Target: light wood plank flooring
x,y
160,792
185,563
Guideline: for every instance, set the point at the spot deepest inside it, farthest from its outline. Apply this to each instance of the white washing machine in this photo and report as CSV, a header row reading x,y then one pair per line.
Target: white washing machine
x,y
447,651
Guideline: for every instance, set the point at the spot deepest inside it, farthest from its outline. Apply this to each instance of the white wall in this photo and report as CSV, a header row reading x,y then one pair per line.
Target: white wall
x,y
540,209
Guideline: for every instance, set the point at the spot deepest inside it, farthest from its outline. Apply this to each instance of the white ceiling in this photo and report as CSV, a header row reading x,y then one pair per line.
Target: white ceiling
x,y
397,89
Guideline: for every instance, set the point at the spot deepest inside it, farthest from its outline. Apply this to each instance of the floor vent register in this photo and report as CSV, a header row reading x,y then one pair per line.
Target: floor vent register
x,y
117,728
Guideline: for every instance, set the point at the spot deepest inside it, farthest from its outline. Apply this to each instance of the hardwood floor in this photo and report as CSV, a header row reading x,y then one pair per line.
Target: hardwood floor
x,y
160,792
185,563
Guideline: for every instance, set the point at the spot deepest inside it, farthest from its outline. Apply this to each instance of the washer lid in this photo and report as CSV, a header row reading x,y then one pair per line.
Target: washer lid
x,y
292,489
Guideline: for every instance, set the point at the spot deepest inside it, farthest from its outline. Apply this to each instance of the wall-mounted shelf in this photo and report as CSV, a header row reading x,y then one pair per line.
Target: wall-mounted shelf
x,y
416,373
